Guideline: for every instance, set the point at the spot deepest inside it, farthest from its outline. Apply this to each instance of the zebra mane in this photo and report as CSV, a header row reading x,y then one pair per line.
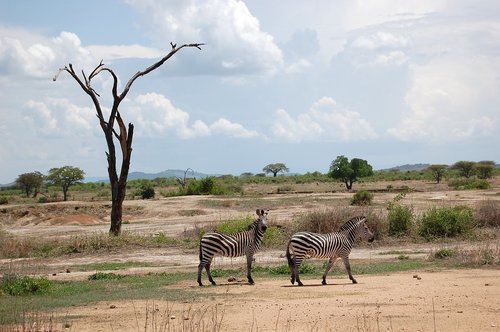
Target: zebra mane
x,y
351,224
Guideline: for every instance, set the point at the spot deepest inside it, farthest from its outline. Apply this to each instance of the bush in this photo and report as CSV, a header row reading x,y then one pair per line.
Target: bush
x,y
147,192
469,184
488,213
234,225
42,200
445,253
15,285
105,276
362,197
400,220
447,222
325,221
4,200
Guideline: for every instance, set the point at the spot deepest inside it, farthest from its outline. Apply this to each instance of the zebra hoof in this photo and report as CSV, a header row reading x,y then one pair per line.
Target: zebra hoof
x,y
300,283
323,282
354,281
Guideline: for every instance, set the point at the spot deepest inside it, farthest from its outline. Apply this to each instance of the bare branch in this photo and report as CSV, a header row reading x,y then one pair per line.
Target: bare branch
x,y
156,65
58,73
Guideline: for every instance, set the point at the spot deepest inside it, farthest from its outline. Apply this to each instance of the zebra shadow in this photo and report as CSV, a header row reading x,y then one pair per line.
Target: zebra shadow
x,y
319,285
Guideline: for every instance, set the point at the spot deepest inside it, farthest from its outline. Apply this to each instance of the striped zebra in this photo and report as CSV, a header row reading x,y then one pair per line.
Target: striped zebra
x,y
232,245
332,245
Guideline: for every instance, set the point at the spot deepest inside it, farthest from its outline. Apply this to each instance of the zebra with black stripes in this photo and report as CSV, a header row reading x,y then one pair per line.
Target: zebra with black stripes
x,y
232,245
332,245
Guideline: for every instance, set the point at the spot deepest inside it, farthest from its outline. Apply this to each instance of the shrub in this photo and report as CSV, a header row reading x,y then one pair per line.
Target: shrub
x,y
42,200
4,200
147,192
234,225
15,285
488,213
362,197
325,221
447,222
105,276
444,253
400,220
469,184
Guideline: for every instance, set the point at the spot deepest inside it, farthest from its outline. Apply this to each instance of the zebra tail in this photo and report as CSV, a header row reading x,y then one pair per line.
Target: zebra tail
x,y
291,262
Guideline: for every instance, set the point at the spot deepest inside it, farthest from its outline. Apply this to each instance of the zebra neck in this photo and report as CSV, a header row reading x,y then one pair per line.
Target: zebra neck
x,y
350,234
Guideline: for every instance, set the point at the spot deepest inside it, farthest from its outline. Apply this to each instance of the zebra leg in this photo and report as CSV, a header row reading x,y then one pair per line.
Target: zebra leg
x,y
296,272
249,269
348,269
328,267
207,267
200,269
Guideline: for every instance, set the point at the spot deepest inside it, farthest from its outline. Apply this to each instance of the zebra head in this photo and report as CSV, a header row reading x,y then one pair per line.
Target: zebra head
x,y
362,230
261,221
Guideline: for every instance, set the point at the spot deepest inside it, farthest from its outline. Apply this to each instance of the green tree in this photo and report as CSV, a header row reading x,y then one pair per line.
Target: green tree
x,y
437,171
65,177
275,169
484,169
114,127
466,168
349,171
30,182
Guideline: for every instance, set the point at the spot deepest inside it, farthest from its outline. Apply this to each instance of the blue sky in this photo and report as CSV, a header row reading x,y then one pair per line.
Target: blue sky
x,y
298,82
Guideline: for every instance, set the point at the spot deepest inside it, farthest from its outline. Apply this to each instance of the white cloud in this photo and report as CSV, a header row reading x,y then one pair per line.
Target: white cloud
x,y
235,44
391,58
58,117
323,122
33,56
231,129
155,115
451,99
379,40
111,52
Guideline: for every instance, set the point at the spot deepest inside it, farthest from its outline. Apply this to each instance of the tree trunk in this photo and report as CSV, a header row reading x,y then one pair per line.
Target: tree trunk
x,y
118,195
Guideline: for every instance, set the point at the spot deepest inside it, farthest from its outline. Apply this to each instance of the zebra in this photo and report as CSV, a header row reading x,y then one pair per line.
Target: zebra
x,y
232,245
332,245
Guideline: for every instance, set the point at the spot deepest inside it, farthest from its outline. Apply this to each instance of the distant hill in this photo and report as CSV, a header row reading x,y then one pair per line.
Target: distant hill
x,y
408,167
169,173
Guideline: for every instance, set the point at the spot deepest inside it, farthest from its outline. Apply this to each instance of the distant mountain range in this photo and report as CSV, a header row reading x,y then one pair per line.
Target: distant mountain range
x,y
169,173
408,167
177,173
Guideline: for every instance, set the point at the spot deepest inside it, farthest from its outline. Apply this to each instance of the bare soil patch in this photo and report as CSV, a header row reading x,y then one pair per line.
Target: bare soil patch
x,y
455,300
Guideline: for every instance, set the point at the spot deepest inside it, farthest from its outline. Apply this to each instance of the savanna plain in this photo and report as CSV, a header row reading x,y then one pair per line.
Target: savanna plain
x,y
145,279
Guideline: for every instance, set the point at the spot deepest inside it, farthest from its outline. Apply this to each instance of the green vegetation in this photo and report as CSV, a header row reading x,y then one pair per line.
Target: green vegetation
x,y
362,197
15,285
445,253
447,222
349,171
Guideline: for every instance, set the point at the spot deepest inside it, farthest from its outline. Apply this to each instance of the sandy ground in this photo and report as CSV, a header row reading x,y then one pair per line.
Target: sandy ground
x,y
455,300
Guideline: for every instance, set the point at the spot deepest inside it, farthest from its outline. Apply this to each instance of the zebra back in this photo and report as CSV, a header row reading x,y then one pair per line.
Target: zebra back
x,y
234,245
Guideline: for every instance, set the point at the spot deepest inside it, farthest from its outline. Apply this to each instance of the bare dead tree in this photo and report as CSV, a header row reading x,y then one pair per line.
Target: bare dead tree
x,y
122,134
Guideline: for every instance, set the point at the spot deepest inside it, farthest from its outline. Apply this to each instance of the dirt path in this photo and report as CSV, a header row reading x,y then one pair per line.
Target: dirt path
x,y
455,300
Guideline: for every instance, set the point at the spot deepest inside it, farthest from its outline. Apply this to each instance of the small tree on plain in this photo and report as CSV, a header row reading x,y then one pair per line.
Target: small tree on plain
x,y
122,134
466,168
275,169
484,169
30,182
437,171
349,171
65,177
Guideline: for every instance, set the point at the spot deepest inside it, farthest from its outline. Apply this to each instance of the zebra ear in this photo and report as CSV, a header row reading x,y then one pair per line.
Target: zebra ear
x,y
258,211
